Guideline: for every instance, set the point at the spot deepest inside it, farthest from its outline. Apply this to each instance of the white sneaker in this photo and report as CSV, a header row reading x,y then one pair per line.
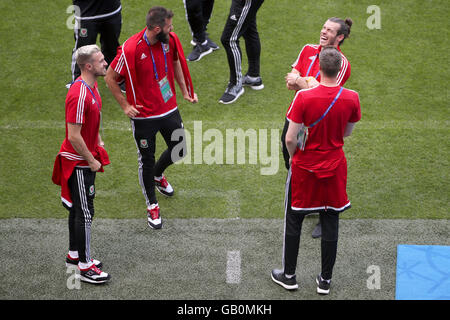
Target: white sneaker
x,y
94,275
154,217
163,186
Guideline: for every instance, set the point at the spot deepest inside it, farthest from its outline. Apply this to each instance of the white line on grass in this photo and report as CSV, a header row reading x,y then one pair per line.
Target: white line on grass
x,y
125,125
233,267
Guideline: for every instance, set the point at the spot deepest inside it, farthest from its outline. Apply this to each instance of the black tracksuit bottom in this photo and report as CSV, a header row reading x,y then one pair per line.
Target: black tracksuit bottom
x,y
241,22
198,13
82,192
293,227
144,131
109,29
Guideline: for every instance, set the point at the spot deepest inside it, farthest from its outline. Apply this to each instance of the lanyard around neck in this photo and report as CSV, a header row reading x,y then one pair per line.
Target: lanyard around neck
x,y
153,59
89,88
96,102
331,105
310,66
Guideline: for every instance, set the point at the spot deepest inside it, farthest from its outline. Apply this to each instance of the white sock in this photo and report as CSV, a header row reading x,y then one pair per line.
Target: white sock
x,y
328,281
84,265
158,178
290,276
73,254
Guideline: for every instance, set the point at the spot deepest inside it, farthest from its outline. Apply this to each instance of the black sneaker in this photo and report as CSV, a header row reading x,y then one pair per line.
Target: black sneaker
x,y
199,52
74,262
94,275
232,93
279,277
323,286
210,43
317,232
253,82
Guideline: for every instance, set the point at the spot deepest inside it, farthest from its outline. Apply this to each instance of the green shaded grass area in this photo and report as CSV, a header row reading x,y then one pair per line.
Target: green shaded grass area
x,y
398,155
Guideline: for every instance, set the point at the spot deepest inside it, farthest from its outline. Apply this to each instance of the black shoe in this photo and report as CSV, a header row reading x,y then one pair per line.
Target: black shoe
x,y
210,43
323,287
94,275
199,52
253,82
279,277
317,232
232,93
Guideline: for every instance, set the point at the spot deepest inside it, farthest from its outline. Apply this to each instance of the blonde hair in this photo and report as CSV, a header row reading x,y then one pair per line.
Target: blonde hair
x,y
83,55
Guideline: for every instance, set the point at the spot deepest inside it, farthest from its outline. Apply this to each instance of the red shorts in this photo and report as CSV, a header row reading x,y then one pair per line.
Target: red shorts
x,y
312,192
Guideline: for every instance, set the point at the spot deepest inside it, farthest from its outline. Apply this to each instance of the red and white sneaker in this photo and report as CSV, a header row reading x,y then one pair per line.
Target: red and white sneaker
x,y
163,186
74,262
153,217
93,275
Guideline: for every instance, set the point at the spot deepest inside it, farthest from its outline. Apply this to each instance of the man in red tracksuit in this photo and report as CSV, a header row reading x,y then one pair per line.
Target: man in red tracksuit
x,y
80,157
305,71
317,178
150,62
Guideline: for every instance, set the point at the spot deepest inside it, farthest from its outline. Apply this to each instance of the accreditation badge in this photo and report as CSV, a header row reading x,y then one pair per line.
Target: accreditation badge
x,y
302,136
166,91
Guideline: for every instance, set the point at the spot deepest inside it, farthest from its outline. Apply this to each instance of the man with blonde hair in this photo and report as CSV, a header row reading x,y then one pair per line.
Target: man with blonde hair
x,y
81,156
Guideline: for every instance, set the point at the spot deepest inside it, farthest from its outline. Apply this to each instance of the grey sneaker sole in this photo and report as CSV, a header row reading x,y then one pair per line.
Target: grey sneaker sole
x,y
213,48
258,87
88,280
202,55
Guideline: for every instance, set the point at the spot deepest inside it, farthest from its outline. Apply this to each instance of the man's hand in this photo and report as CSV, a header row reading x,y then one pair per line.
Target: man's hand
x,y
311,82
131,111
95,165
295,82
191,100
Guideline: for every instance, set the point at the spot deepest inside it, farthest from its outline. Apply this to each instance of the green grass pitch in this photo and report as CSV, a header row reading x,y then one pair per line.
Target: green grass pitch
x,y
398,155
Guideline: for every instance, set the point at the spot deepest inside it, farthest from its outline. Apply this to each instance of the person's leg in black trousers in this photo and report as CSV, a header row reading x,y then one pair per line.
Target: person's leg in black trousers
x,y
82,191
144,132
241,20
167,128
330,230
109,36
84,35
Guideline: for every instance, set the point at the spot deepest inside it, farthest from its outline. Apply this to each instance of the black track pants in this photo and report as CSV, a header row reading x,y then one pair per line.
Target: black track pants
x,y
82,191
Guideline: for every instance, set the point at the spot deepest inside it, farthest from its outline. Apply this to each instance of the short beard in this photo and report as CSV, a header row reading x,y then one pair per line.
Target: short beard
x,y
163,37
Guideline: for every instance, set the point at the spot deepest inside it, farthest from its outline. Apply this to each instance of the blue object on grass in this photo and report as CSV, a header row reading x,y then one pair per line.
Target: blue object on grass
x,y
423,272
